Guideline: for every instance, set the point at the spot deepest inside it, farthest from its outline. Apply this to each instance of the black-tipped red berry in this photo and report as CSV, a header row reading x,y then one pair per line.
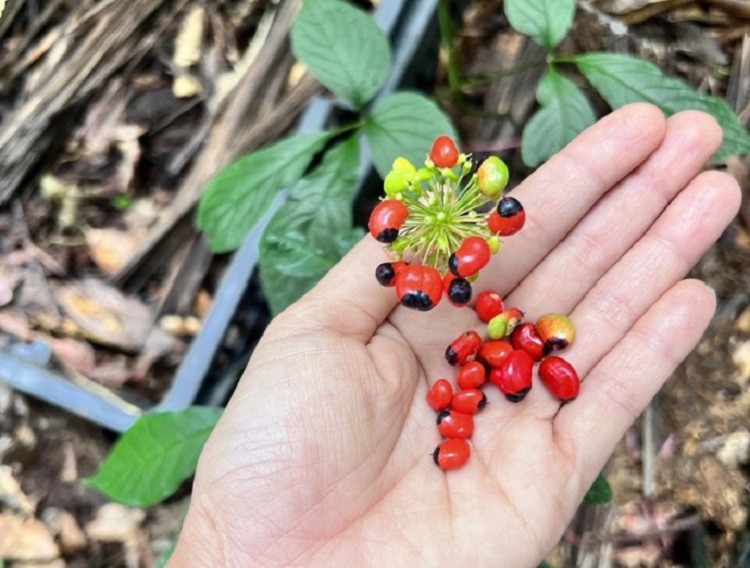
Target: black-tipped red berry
x,y
452,453
513,376
469,401
508,218
386,220
464,348
454,424
473,255
509,207
418,287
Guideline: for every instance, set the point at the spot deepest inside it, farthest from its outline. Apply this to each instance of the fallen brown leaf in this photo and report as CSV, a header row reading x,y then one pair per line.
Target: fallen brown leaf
x,y
110,249
26,540
105,315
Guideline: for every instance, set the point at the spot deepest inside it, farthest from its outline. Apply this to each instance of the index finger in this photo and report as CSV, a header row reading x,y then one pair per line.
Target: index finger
x,y
561,192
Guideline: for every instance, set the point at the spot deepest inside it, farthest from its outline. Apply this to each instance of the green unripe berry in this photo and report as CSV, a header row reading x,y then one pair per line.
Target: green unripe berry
x,y
449,174
396,182
423,174
497,327
403,165
494,243
492,177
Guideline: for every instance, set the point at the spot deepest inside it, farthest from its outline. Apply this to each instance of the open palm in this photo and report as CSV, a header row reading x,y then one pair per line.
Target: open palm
x,y
323,454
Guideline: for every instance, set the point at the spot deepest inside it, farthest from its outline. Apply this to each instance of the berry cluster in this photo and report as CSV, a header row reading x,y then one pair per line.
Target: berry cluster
x,y
432,223
441,224
506,360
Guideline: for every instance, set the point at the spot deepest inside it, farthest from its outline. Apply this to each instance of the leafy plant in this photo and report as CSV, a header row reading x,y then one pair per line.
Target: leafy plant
x,y
155,456
620,79
599,493
346,51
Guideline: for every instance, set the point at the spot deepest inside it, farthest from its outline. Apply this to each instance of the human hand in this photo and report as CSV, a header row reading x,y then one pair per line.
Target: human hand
x,y
323,454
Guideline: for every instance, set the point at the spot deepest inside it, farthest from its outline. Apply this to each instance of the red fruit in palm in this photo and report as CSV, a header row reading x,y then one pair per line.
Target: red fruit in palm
x,y
560,378
468,401
419,287
513,377
454,424
452,454
471,375
557,331
493,353
464,348
439,395
526,338
489,304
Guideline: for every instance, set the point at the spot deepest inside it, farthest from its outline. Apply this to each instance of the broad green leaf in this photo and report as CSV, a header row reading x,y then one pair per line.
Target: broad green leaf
x,y
599,493
565,113
154,456
404,124
622,79
343,48
313,230
546,21
236,198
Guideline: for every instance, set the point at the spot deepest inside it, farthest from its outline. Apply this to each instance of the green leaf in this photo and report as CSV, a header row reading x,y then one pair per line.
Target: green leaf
x,y
622,79
343,48
164,557
238,196
154,456
313,230
565,113
599,493
404,124
546,21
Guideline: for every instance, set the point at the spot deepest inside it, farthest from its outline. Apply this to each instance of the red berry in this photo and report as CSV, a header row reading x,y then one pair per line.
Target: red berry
x,y
495,352
471,375
468,401
560,378
386,220
557,331
463,348
489,304
526,338
439,395
473,255
444,153
419,287
385,273
508,218
452,454
513,377
452,424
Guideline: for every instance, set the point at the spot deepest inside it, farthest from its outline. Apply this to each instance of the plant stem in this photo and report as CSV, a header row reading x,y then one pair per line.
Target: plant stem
x,y
479,81
446,39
